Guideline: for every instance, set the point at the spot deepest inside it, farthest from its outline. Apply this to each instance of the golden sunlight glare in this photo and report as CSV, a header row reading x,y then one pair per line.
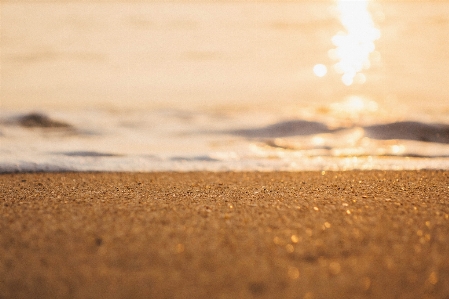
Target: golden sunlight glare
x,y
320,70
354,107
354,46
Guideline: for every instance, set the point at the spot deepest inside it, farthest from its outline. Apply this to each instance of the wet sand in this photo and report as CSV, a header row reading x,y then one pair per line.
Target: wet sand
x,y
371,234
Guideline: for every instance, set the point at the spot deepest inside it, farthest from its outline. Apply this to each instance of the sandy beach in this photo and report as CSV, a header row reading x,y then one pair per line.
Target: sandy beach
x,y
370,234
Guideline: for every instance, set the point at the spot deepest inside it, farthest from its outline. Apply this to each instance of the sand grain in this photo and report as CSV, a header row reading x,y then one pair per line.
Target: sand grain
x,y
349,234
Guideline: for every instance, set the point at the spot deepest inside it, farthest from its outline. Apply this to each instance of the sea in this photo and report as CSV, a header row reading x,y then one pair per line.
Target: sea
x,y
146,86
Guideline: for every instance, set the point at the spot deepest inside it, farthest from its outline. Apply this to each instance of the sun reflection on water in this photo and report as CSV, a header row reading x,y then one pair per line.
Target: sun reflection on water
x,y
355,105
355,44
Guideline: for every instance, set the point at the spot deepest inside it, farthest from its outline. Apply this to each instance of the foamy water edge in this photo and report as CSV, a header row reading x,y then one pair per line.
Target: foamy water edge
x,y
33,142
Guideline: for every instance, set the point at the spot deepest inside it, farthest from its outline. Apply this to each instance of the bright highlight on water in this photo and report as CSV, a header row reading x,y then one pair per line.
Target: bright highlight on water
x,y
353,45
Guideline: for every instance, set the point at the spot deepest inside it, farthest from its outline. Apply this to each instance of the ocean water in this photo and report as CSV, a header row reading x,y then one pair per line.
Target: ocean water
x,y
182,86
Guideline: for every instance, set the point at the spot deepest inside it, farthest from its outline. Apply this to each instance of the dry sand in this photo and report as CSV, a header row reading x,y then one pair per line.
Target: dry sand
x,y
353,234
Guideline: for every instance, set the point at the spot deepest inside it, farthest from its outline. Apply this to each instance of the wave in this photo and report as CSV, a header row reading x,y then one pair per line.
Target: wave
x,y
26,166
88,154
173,140
405,130
38,120
409,130
284,129
42,122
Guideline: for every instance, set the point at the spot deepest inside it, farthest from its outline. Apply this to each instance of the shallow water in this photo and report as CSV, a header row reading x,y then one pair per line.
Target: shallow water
x,y
224,86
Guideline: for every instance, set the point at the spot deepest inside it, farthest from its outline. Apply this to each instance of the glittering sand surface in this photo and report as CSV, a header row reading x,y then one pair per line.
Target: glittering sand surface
x,y
352,234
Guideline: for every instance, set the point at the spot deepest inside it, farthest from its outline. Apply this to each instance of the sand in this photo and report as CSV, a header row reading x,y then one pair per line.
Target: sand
x,y
371,234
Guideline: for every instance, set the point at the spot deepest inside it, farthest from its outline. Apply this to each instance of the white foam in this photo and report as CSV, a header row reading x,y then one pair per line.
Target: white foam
x,y
164,140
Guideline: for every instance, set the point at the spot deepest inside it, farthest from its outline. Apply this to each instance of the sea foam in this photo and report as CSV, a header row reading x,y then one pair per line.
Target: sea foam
x,y
164,140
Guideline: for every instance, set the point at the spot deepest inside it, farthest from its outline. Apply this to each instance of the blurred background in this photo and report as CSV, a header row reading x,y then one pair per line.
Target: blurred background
x,y
153,54
177,77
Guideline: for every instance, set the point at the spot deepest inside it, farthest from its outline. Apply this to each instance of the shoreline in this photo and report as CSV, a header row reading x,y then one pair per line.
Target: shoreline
x,y
350,234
